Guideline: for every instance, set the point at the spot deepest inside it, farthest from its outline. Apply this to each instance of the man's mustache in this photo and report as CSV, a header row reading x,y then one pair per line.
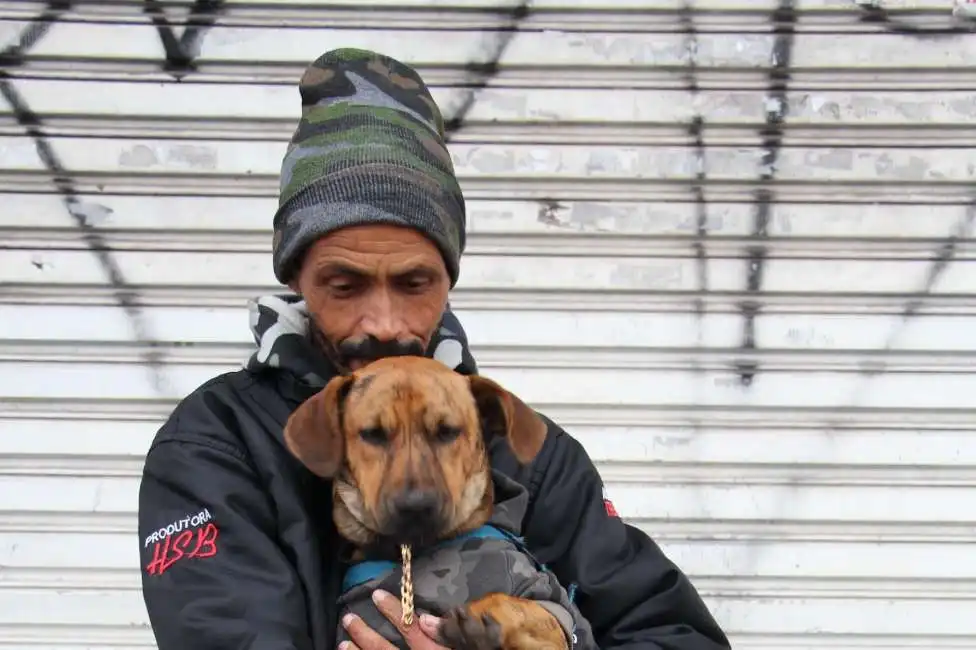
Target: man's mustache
x,y
372,349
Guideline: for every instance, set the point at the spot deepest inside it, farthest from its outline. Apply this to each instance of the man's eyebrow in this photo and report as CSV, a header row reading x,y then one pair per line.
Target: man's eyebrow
x,y
414,268
345,268
339,268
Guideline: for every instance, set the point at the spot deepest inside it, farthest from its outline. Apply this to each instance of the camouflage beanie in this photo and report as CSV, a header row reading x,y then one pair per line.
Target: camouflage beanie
x,y
369,150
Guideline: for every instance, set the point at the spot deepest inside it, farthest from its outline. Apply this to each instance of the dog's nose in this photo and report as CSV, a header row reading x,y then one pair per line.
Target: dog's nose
x,y
415,516
416,504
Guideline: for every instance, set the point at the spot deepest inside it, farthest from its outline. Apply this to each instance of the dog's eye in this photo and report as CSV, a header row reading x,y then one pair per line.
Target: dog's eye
x,y
374,435
446,433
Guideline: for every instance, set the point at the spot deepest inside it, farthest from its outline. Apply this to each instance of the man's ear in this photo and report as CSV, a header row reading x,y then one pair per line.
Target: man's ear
x,y
503,414
313,432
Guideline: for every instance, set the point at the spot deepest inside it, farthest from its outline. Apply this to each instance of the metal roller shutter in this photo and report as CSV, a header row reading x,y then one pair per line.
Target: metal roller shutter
x,y
727,246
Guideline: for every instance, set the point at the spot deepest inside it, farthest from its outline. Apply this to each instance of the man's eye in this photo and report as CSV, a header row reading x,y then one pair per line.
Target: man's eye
x,y
415,282
341,286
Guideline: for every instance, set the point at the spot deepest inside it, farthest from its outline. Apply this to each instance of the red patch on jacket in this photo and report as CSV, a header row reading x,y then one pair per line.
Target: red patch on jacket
x,y
190,537
608,505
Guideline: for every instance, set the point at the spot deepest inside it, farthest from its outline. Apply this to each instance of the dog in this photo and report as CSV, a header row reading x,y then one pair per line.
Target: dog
x,y
404,441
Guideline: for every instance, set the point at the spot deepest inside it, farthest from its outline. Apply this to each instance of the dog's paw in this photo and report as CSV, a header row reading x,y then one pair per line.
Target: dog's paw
x,y
462,630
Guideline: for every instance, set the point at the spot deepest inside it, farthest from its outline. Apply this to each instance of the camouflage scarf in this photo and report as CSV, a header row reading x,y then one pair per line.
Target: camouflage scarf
x,y
280,322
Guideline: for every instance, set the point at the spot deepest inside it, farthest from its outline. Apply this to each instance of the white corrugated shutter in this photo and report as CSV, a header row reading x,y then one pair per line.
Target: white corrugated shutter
x,y
734,260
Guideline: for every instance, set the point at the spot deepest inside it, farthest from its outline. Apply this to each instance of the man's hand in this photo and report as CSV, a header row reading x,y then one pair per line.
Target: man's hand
x,y
419,636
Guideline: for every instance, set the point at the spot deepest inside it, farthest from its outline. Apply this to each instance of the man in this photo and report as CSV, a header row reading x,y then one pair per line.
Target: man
x,y
237,541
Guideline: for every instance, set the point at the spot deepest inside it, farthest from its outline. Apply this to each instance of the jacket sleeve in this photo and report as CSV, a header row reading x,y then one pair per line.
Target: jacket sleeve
x,y
633,596
212,575
542,585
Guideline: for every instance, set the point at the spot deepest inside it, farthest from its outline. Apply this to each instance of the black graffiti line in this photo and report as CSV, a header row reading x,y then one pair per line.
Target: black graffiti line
x,y
777,108
696,135
180,54
38,26
696,128
125,297
875,14
485,72
939,264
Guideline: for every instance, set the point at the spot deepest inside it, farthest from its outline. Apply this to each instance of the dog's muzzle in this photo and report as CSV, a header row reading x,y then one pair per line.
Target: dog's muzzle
x,y
415,516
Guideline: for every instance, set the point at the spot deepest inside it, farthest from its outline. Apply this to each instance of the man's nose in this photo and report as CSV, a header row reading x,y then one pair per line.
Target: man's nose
x,y
382,319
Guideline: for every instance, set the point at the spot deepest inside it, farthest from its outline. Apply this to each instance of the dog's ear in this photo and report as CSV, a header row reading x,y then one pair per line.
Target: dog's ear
x,y
503,414
313,432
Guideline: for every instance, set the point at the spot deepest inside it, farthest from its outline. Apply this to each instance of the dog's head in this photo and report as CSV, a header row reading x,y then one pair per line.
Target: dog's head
x,y
404,439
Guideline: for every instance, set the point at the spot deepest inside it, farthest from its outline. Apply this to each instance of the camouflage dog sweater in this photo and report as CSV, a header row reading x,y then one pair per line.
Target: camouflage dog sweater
x,y
491,559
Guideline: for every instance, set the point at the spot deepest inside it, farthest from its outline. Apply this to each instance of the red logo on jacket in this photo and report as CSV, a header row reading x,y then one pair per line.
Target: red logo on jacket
x,y
194,536
608,505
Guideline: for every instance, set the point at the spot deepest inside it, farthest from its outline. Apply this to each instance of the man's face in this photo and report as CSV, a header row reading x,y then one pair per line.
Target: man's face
x,y
373,291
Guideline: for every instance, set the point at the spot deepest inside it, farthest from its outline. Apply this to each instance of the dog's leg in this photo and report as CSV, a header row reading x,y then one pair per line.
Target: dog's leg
x,y
502,622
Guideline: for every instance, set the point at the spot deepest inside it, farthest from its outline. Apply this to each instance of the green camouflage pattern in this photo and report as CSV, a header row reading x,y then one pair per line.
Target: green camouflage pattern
x,y
369,149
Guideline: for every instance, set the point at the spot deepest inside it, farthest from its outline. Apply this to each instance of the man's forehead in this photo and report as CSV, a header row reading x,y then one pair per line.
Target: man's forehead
x,y
400,260
369,239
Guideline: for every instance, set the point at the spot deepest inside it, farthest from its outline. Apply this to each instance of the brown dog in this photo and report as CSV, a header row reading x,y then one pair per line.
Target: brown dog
x,y
403,441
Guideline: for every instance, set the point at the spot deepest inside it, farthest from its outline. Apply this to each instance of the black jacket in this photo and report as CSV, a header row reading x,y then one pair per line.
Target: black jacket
x,y
239,550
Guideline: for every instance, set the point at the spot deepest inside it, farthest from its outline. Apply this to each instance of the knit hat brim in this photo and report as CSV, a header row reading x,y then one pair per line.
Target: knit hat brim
x,y
369,194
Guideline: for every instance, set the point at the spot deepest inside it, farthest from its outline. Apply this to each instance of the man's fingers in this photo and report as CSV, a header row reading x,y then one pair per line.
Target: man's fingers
x,y
416,636
363,638
430,625
389,606
348,645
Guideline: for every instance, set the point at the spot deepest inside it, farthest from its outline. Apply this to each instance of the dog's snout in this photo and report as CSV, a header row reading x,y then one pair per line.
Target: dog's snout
x,y
420,504
415,516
